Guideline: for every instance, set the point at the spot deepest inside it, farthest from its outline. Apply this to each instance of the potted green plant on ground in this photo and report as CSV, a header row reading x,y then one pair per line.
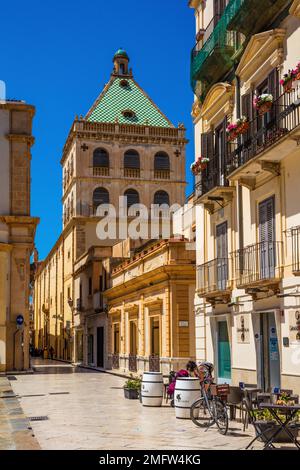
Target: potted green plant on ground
x,y
267,423
132,388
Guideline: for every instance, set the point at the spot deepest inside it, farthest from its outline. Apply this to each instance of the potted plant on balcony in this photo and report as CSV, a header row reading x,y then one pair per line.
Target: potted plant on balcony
x,y
263,103
199,165
287,80
232,131
237,128
243,125
132,388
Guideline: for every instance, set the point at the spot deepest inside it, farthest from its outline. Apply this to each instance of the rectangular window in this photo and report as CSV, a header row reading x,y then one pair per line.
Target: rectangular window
x,y
90,286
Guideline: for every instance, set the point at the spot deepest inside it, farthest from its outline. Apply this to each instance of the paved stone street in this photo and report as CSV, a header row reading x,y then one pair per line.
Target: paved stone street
x,y
87,410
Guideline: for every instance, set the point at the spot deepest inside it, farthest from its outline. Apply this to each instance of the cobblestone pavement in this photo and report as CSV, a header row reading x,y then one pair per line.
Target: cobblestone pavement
x,y
87,410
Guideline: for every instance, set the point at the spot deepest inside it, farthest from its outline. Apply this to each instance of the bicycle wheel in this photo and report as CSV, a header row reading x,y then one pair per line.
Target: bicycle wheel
x,y
220,416
200,414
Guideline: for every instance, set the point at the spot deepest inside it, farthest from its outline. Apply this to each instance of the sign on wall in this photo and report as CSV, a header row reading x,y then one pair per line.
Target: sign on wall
x,y
243,330
294,325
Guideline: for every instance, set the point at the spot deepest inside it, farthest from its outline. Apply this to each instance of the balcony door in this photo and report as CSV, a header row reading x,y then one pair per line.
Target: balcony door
x,y
219,7
222,255
267,249
220,153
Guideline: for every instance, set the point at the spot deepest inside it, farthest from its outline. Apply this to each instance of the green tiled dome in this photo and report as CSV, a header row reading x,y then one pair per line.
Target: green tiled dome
x,y
122,95
121,53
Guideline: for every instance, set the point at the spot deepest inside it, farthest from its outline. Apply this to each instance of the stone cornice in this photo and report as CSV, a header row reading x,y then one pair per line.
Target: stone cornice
x,y
29,139
19,220
108,179
162,274
5,247
17,106
131,133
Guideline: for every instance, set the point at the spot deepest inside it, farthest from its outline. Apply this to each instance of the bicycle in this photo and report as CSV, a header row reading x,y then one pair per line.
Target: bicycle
x,y
211,408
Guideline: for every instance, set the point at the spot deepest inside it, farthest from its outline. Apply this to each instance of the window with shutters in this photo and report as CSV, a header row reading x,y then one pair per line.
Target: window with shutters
x,y
100,196
214,147
161,197
132,164
219,7
100,162
222,255
161,165
267,242
132,197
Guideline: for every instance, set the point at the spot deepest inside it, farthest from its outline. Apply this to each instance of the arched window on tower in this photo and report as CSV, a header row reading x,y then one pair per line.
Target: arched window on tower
x,y
100,196
100,162
162,166
131,164
132,197
161,197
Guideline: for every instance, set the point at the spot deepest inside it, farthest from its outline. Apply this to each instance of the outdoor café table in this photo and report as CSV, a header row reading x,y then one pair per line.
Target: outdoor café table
x,y
289,411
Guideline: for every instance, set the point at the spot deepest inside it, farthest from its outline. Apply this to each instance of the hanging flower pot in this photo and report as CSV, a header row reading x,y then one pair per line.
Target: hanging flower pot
x,y
231,137
263,103
265,108
232,132
199,165
243,125
287,88
287,80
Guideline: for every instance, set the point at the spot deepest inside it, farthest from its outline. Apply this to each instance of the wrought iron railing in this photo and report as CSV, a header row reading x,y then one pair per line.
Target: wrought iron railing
x,y
115,361
212,176
219,38
154,363
258,263
266,130
251,16
214,276
208,31
132,363
295,235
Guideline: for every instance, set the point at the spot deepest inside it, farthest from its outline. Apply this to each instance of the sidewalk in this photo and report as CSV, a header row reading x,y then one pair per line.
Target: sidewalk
x,y
15,432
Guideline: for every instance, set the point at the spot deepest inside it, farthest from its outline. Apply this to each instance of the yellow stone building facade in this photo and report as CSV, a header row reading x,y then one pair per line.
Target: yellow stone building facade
x,y
247,291
17,231
124,146
150,306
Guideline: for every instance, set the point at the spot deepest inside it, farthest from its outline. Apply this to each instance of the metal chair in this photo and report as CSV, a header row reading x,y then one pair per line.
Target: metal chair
x,y
259,434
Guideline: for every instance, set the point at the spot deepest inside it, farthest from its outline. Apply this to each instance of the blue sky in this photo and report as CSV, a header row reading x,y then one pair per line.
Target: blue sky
x,y
58,55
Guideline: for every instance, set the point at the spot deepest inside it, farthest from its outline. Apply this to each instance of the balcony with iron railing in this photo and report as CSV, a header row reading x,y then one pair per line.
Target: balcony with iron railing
x,y
295,236
258,265
274,127
251,16
212,58
101,171
212,177
214,278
